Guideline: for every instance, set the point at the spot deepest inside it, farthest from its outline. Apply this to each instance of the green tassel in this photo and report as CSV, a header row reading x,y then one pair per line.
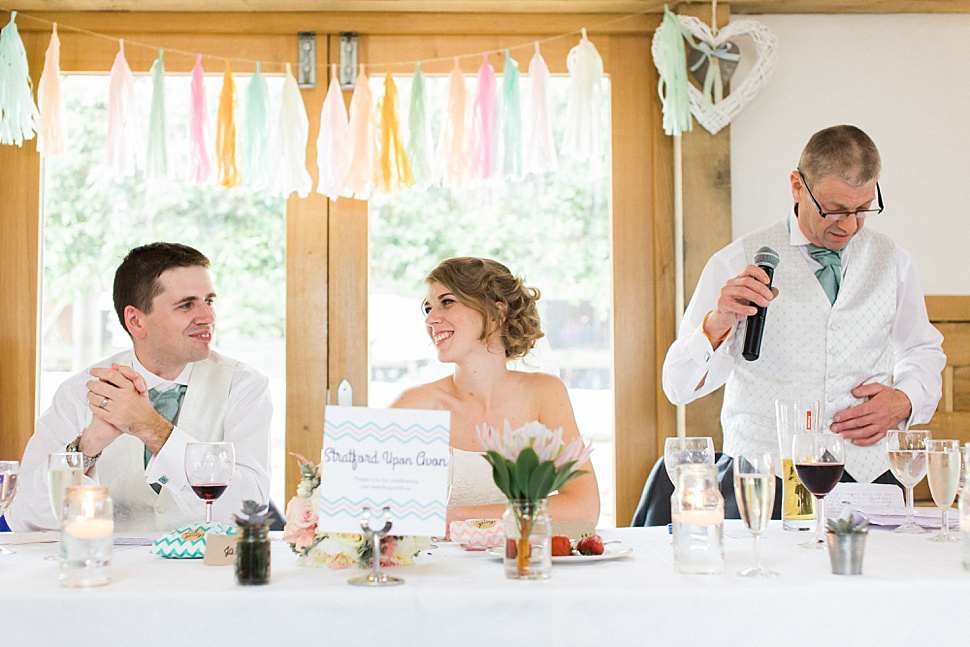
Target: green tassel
x,y
419,145
156,163
670,58
511,117
19,116
257,170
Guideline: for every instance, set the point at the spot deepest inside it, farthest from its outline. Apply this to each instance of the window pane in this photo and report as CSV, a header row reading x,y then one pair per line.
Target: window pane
x,y
553,230
92,217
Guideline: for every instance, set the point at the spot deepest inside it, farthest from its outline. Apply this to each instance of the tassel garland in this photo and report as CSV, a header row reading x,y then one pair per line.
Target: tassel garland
x,y
226,132
123,130
50,136
199,125
294,132
156,162
19,117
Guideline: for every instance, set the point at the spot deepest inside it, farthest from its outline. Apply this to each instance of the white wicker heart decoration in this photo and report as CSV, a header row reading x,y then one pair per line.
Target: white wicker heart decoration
x,y
715,116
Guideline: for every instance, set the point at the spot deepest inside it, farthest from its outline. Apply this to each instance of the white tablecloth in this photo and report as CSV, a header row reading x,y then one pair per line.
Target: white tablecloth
x,y
912,592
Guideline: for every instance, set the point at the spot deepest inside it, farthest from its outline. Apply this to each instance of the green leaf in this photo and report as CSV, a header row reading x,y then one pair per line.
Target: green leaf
x,y
540,484
565,476
524,467
500,471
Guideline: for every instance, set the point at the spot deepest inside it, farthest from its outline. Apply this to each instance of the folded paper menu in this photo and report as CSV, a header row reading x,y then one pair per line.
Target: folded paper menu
x,y
881,505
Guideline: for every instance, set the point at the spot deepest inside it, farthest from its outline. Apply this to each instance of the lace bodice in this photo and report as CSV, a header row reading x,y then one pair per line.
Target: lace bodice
x,y
472,483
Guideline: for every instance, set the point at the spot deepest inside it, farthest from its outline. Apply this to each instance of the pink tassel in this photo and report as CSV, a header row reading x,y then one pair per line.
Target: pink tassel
x,y
539,150
199,126
360,177
452,144
484,133
51,137
123,131
333,142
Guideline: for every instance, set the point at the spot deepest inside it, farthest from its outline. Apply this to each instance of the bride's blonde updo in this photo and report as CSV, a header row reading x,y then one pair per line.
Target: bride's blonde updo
x,y
481,283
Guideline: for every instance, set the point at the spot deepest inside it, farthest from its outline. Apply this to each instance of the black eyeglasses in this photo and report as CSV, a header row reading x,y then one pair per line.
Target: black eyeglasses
x,y
839,215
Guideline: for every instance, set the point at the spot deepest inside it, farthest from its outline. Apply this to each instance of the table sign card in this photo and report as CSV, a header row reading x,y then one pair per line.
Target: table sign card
x,y
384,457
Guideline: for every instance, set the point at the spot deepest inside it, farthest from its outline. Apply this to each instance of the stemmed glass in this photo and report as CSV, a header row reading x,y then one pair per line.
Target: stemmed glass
x,y
907,460
754,488
8,487
208,469
943,457
687,450
819,462
64,470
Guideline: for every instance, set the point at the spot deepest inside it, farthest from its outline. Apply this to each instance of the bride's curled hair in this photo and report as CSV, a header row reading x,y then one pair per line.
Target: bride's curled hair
x,y
483,284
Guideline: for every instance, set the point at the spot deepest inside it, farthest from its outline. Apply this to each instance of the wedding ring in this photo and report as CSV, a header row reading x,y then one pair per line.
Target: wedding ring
x,y
103,402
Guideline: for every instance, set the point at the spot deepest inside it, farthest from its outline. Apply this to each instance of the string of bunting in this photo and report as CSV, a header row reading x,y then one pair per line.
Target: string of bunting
x,y
496,132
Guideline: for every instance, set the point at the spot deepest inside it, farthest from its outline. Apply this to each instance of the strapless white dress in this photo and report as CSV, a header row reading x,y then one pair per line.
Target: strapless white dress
x,y
472,482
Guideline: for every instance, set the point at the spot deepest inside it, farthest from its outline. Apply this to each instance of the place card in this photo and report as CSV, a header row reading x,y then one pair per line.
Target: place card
x,y
384,457
220,549
862,497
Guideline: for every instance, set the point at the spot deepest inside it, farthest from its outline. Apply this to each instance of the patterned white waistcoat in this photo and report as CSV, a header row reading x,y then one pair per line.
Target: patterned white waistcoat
x,y
122,465
813,349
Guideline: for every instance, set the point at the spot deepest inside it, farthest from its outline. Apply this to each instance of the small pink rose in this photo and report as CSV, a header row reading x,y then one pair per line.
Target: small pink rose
x,y
301,523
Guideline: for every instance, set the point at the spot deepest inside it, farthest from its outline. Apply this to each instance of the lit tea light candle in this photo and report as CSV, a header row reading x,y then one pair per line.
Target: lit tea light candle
x,y
698,517
90,528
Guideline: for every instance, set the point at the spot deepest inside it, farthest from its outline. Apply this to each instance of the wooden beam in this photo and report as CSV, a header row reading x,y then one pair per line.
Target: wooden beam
x,y
19,281
115,23
494,6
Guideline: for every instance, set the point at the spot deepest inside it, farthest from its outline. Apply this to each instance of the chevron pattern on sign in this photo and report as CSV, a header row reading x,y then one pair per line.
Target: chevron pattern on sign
x,y
188,542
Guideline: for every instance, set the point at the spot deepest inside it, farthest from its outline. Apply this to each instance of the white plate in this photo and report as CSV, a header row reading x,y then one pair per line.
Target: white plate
x,y
612,550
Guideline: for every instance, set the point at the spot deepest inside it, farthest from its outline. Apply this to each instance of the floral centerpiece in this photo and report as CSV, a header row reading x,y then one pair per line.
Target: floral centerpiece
x,y
528,464
331,549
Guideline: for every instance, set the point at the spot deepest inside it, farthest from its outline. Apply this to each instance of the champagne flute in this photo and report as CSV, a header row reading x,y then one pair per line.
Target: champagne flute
x,y
907,460
688,450
754,487
943,459
819,463
208,469
8,487
64,470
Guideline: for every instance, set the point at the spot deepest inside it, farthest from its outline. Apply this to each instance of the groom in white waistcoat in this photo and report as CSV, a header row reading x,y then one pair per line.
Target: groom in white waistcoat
x,y
846,319
165,301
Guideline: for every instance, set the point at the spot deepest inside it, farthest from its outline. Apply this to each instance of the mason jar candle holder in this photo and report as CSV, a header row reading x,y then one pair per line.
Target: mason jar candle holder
x,y
697,513
87,535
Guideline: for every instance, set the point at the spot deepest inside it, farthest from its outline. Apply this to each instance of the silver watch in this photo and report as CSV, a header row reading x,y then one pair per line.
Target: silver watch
x,y
75,446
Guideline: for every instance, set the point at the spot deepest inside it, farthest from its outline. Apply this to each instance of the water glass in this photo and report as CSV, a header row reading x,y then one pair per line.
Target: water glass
x,y
694,450
87,535
797,503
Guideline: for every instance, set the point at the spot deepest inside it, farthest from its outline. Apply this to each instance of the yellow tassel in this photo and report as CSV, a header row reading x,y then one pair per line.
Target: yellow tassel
x,y
395,168
226,132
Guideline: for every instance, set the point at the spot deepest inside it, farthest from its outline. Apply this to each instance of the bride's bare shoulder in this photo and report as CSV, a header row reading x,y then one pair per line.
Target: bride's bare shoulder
x,y
543,385
425,396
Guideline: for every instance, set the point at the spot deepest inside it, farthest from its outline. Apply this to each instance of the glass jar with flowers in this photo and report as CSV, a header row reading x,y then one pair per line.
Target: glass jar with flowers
x,y
252,544
529,464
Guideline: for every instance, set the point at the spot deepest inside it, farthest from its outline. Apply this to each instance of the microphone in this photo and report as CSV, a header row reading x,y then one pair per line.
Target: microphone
x,y
767,259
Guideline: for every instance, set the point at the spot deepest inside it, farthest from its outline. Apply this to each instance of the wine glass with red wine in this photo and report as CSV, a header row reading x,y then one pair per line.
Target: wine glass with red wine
x,y
819,462
208,469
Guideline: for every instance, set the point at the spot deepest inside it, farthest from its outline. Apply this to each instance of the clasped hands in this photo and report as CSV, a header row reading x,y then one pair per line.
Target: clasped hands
x,y
126,410
863,424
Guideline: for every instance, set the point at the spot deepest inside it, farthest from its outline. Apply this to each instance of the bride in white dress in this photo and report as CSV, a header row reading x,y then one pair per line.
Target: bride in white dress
x,y
479,316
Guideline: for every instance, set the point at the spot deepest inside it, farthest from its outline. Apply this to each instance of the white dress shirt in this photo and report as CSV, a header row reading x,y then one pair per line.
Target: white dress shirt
x,y
915,342
246,425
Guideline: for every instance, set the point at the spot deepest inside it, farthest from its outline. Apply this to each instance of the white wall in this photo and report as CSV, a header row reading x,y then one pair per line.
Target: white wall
x,y
905,80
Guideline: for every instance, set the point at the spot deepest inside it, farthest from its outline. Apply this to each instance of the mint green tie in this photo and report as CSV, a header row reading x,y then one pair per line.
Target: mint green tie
x,y
166,403
830,275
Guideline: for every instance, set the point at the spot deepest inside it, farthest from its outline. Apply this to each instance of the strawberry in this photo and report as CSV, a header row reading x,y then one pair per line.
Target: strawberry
x,y
561,546
511,551
590,545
